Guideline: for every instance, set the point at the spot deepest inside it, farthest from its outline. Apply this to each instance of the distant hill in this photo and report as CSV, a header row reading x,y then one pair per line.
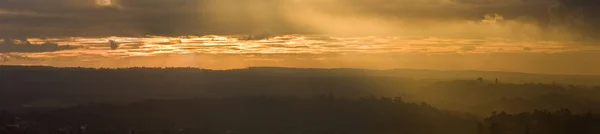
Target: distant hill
x,y
423,74
46,87
511,77
250,115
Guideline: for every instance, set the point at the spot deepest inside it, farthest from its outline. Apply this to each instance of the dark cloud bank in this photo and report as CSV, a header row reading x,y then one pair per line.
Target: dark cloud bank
x,y
199,17
9,45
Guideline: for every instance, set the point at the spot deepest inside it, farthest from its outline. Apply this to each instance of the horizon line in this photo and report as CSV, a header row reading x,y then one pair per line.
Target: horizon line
x,y
283,67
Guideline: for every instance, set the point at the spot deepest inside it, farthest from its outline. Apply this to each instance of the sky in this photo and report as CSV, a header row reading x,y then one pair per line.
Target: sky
x,y
533,36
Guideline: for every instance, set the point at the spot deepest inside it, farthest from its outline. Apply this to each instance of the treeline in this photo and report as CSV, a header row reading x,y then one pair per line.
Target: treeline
x,y
483,97
275,115
246,115
541,122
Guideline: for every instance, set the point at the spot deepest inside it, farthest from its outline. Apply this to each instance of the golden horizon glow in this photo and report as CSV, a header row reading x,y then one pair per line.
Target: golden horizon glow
x,y
316,51
311,44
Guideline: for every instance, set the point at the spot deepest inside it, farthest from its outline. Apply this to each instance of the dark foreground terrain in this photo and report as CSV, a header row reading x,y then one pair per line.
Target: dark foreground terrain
x,y
278,115
255,115
24,88
48,100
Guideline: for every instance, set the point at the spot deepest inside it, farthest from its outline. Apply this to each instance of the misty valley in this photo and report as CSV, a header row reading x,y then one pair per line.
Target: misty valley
x,y
270,100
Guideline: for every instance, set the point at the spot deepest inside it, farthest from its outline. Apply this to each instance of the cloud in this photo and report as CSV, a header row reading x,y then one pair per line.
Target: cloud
x,y
223,52
468,48
104,2
9,45
549,18
6,57
577,15
113,44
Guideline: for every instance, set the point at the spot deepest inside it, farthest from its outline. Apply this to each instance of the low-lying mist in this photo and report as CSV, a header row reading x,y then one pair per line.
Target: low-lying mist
x,y
454,90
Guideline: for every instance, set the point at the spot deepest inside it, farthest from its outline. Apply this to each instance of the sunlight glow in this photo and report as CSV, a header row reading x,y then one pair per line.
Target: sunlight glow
x,y
300,51
104,2
306,44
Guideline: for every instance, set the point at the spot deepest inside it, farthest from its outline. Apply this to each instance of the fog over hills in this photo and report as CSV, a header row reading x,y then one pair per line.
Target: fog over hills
x,y
479,92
